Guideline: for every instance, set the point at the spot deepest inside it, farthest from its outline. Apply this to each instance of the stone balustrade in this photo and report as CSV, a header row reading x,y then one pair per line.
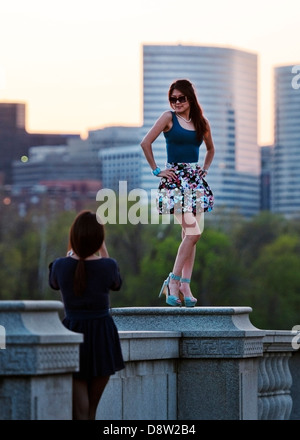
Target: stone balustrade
x,y
202,363
223,367
274,378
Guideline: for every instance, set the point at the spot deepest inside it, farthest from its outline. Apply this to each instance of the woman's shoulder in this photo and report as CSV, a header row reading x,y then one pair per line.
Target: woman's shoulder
x,y
167,115
167,118
61,261
108,261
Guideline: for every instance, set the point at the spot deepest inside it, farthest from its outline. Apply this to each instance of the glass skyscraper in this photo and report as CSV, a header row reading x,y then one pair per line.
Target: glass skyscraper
x,y
226,85
285,183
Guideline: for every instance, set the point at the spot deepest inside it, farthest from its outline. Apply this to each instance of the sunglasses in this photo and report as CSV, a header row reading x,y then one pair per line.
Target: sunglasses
x,y
180,99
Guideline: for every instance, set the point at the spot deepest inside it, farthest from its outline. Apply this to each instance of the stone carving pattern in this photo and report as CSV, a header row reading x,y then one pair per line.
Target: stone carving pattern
x,y
58,357
221,347
274,384
23,360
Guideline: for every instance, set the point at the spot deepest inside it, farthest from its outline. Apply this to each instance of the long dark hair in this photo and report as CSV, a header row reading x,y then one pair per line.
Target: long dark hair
x,y
86,238
196,113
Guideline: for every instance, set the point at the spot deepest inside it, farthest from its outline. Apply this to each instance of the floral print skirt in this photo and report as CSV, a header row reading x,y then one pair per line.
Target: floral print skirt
x,y
188,192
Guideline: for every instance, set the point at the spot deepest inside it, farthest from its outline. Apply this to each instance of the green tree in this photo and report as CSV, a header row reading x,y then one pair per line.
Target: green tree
x,y
276,284
250,236
238,262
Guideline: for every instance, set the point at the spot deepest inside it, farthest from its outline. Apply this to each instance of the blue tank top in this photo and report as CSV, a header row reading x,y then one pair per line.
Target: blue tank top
x,y
182,145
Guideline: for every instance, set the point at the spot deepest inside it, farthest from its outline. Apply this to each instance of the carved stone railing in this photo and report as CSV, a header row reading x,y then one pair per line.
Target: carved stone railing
x,y
275,379
226,368
202,363
37,362
217,367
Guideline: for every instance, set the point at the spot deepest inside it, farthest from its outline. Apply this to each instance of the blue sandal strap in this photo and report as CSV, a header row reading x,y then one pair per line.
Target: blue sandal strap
x,y
185,280
174,277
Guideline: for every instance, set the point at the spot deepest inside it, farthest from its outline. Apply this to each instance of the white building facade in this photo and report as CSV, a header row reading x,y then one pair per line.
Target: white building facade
x,y
285,184
121,164
226,84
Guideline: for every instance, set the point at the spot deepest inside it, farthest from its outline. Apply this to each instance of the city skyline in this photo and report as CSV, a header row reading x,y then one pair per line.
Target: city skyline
x,y
77,65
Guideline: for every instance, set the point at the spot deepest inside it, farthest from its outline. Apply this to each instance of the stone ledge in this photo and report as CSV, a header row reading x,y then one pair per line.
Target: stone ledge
x,y
149,345
280,340
36,340
184,319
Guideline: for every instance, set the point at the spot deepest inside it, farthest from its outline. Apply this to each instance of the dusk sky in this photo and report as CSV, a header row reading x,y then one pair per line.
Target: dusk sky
x,y
78,64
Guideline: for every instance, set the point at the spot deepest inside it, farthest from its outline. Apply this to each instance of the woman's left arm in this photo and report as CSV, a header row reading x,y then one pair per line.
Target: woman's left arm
x,y
103,251
210,149
117,279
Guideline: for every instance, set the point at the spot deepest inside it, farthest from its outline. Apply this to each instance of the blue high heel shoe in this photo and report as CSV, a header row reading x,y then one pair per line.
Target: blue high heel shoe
x,y
188,301
171,300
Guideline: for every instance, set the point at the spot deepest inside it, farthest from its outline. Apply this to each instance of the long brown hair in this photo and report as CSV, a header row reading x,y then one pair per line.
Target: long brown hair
x,y
196,113
86,238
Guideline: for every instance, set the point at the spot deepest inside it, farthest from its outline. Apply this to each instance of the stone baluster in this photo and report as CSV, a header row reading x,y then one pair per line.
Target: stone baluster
x,y
274,377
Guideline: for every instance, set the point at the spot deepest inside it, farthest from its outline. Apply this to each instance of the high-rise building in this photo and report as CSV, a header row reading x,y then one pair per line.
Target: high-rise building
x,y
54,162
119,164
13,136
285,197
120,155
265,177
15,141
226,86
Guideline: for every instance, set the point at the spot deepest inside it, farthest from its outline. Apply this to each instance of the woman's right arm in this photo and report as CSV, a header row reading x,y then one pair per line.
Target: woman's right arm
x,y
51,277
117,279
164,123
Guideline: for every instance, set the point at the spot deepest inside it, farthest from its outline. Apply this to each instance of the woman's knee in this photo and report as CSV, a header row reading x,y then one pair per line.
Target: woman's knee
x,y
193,237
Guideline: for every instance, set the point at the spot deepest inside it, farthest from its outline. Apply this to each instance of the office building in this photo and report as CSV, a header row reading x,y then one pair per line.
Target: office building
x,y
71,162
265,177
13,137
286,161
120,155
120,164
109,155
226,85
15,141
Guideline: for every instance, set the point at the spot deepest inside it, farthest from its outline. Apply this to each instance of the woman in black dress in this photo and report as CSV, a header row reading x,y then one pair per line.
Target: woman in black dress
x,y
85,278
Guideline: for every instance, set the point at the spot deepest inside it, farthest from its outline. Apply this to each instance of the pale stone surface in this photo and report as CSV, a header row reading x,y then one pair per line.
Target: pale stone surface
x,y
147,388
204,319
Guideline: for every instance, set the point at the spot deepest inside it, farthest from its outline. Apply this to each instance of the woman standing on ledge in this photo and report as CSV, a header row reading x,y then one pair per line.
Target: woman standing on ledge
x,y
182,191
84,278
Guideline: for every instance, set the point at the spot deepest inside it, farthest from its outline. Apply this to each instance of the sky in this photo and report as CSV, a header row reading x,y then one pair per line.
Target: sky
x,y
77,64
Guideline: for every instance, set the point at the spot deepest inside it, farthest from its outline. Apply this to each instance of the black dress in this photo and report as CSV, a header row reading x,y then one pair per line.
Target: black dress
x,y
100,353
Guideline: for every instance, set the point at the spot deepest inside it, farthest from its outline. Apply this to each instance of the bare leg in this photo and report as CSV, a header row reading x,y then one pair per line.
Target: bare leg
x,y
188,266
187,271
185,258
86,397
96,388
80,400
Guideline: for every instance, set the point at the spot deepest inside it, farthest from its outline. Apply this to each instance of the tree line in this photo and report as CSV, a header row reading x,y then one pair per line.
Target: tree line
x,y
239,262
